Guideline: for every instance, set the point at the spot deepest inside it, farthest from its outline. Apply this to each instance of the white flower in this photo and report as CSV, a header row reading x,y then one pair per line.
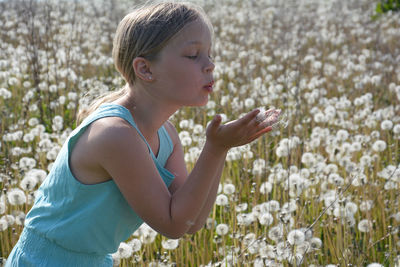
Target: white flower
x,y
222,229
276,233
3,224
379,146
3,207
296,237
28,183
366,205
315,243
266,218
308,159
135,244
396,129
170,244
265,188
16,196
374,264
229,189
386,125
365,226
221,200
351,208
124,250
342,135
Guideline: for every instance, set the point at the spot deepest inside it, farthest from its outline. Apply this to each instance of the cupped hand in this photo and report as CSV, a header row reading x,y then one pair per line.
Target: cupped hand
x,y
241,131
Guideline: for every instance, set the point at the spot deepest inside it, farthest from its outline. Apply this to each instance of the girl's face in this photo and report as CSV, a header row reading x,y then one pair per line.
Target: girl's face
x,y
183,71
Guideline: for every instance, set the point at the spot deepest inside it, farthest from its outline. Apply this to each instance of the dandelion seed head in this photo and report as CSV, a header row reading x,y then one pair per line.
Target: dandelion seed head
x,y
16,196
229,189
170,244
296,237
386,125
222,200
365,226
136,244
379,146
265,219
3,224
222,229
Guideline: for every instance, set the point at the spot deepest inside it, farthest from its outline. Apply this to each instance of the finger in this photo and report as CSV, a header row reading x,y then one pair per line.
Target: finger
x,y
249,116
215,123
260,133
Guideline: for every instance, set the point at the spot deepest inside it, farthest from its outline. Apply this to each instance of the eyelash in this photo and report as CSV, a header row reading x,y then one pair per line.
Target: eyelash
x,y
195,57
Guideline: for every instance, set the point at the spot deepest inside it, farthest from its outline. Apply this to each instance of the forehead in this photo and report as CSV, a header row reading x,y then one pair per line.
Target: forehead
x,y
194,33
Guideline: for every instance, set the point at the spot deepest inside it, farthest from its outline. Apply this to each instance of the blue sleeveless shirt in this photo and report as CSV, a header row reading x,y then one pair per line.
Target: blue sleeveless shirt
x,y
91,219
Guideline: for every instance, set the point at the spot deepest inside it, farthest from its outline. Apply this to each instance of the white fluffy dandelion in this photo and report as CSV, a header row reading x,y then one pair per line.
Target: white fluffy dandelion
x,y
136,244
386,125
296,237
222,229
222,200
379,146
365,226
229,189
124,250
266,218
3,224
16,196
170,244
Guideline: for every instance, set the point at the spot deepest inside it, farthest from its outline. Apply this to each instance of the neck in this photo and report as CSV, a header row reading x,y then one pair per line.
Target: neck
x,y
149,112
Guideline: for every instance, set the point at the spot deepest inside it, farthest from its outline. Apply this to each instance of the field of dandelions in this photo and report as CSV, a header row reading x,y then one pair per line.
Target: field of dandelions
x,y
320,190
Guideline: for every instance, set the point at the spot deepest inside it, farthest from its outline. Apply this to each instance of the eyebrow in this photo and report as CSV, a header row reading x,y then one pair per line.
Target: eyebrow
x,y
194,42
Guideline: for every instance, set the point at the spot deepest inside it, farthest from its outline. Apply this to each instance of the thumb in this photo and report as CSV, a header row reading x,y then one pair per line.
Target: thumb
x,y
215,123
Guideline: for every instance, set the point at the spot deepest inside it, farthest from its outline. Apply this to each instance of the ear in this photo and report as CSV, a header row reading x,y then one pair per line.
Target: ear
x,y
141,66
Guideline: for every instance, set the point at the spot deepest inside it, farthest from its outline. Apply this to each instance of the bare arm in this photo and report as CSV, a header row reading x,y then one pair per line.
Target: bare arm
x,y
123,154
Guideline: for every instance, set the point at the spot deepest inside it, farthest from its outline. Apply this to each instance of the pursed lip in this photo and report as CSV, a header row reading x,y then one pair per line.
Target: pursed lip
x,y
209,86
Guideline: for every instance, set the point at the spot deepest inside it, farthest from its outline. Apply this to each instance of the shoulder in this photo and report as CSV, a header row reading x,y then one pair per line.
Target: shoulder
x,y
113,133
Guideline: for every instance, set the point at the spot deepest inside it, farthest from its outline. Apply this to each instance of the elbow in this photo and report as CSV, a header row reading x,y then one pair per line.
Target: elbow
x,y
174,234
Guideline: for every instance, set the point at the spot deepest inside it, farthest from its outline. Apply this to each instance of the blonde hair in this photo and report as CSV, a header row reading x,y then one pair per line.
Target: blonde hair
x,y
143,33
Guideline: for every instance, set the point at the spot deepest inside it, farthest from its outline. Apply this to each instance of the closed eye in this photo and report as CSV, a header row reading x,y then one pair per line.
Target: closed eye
x,y
192,57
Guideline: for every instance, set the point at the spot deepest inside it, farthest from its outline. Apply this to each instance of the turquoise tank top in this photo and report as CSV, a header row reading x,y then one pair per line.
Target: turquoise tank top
x,y
94,218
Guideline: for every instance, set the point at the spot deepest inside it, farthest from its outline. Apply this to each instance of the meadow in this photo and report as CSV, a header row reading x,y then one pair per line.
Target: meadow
x,y
322,189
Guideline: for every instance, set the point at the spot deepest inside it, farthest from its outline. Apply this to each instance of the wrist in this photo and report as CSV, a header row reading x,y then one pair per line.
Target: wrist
x,y
215,149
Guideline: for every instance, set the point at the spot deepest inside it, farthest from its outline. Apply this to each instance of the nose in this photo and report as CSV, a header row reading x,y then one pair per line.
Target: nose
x,y
210,66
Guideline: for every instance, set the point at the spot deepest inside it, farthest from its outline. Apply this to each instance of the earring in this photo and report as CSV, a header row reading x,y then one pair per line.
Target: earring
x,y
150,77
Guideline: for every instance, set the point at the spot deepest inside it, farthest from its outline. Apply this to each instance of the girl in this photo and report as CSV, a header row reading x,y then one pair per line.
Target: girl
x,y
124,164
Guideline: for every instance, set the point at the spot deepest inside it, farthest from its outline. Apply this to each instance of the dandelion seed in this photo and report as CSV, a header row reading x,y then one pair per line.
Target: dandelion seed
x,y
3,207
379,146
367,205
170,244
28,183
276,233
9,219
229,189
266,188
342,135
374,264
266,219
221,200
351,208
3,225
296,237
135,244
16,196
241,207
222,229
396,129
365,226
386,125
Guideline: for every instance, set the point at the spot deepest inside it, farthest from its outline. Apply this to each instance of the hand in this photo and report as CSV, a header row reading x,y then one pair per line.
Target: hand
x,y
241,131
